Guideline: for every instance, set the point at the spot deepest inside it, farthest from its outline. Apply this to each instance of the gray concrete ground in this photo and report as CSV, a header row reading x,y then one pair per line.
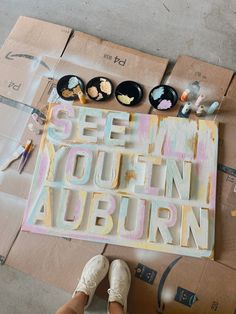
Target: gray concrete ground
x,y
202,29
22,294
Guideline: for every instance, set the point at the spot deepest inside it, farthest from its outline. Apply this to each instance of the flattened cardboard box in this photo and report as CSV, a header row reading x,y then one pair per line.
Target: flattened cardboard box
x,y
213,80
89,56
29,54
57,261
86,57
168,284
22,56
23,62
225,251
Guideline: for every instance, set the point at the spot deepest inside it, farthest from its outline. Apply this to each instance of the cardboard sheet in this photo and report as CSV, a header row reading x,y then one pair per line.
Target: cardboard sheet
x,y
226,201
164,283
23,55
88,57
56,261
12,200
213,81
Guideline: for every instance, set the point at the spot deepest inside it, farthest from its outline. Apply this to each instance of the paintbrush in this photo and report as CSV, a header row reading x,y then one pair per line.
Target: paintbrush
x,y
27,156
27,147
13,157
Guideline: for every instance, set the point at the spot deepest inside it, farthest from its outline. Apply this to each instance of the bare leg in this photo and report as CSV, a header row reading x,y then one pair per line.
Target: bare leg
x,y
93,273
115,308
75,305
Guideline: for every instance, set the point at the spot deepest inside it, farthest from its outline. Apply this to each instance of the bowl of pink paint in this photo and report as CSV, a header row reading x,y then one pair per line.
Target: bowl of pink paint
x,y
163,97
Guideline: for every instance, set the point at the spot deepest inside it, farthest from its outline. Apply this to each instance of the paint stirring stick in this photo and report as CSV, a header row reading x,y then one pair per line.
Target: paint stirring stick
x,y
27,147
27,156
81,95
12,158
75,86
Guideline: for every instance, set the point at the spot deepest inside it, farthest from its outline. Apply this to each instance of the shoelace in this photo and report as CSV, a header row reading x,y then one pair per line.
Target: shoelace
x,y
114,293
88,284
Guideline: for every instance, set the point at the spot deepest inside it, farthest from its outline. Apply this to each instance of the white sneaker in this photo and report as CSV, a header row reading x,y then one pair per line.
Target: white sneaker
x,y
93,273
120,280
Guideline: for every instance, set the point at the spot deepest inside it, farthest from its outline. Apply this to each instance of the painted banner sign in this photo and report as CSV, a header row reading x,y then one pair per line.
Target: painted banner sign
x,y
129,179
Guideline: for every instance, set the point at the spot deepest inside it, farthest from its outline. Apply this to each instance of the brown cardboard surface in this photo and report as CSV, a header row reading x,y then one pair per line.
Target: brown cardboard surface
x,y
12,187
102,56
11,213
57,261
84,56
232,88
23,55
89,56
199,276
225,251
214,81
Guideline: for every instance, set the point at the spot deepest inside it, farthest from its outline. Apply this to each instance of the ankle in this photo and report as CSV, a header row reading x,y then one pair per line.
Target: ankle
x,y
115,307
81,297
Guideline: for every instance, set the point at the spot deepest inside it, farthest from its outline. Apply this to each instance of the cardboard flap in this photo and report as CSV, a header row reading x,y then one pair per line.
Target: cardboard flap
x,y
57,261
44,37
227,119
232,88
22,57
112,59
214,80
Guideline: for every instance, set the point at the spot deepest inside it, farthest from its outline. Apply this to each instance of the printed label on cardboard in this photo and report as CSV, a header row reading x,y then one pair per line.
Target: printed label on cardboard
x,y
185,297
145,273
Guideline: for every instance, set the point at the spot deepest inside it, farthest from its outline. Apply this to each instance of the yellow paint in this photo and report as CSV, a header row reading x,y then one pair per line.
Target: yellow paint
x,y
130,174
233,213
51,152
95,213
82,197
48,209
213,126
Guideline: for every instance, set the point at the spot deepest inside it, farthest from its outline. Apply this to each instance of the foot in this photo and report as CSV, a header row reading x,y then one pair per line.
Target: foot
x,y
120,279
93,273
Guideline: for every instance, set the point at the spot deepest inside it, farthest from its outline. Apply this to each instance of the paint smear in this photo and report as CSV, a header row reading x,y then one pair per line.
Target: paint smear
x,y
164,104
157,93
125,99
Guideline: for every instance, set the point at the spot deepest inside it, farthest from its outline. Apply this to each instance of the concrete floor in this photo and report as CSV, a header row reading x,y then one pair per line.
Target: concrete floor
x,y
22,294
202,29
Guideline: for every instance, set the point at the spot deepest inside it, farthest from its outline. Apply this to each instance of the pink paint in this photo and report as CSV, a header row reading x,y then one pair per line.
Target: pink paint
x,y
169,150
64,123
167,147
143,127
139,228
43,167
71,160
77,210
201,151
112,204
164,104
213,190
173,216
